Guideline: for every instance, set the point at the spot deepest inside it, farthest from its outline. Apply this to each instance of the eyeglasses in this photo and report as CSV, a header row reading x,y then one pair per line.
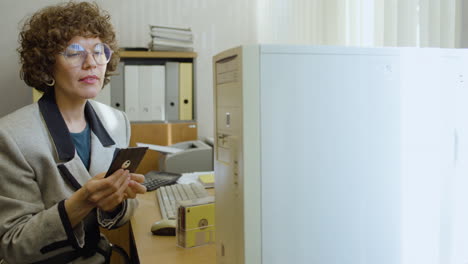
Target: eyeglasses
x,y
75,54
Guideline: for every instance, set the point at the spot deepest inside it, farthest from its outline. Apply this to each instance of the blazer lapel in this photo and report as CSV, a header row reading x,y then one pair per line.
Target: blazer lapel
x,y
101,142
101,156
58,130
74,172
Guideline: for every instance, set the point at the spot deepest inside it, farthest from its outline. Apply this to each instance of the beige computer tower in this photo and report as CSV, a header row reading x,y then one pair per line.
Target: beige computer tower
x,y
341,155
237,156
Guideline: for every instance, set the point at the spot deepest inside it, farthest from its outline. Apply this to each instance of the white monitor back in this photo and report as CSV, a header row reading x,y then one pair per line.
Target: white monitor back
x,y
330,156
362,157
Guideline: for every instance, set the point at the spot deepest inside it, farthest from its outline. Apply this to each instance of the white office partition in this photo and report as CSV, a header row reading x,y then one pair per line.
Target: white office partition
x,y
359,155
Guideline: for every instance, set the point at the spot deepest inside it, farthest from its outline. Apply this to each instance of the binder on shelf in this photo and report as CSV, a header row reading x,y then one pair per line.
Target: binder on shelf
x,y
185,91
159,92
131,92
151,92
144,93
36,95
172,91
117,92
104,96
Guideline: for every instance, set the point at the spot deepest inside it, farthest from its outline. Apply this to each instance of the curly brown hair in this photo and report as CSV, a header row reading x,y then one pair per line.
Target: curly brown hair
x,y
48,31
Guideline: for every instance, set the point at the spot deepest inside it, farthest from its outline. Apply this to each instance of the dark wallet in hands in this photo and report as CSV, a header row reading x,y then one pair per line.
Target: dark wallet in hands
x,y
127,158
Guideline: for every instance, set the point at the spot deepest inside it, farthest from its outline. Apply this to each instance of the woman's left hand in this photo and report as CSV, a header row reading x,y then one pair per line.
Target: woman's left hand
x,y
134,186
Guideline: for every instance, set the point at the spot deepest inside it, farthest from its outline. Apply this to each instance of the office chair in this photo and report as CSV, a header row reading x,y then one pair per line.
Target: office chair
x,y
119,250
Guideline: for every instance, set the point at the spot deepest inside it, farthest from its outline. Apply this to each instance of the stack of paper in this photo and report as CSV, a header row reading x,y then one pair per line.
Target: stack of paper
x,y
172,38
207,180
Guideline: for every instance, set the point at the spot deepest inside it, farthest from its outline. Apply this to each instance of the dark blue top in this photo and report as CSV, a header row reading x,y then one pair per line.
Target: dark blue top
x,y
82,142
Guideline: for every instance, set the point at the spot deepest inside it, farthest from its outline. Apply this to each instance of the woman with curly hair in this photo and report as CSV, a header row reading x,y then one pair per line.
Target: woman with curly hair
x,y
53,153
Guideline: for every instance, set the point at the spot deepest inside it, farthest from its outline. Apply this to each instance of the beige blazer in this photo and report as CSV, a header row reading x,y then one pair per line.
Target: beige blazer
x,y
39,169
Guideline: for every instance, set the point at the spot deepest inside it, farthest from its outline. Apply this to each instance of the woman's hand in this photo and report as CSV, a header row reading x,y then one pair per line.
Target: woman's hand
x,y
107,193
134,186
104,193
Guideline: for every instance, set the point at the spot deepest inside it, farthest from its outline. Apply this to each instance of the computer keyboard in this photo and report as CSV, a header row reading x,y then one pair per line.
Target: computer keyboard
x,y
169,195
156,179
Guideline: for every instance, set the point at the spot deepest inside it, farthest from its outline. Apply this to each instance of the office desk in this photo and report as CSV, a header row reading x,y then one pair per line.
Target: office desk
x,y
159,249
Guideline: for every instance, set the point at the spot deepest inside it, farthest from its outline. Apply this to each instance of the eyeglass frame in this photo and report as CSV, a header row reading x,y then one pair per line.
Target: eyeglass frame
x,y
63,53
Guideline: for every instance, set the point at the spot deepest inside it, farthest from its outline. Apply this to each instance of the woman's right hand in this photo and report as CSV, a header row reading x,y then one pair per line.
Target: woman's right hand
x,y
103,193
107,193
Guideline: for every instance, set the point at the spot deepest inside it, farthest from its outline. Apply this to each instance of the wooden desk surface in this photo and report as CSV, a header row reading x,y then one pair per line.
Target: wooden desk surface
x,y
159,249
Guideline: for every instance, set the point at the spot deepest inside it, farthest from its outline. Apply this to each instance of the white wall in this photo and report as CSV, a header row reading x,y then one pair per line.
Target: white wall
x,y
217,25
14,92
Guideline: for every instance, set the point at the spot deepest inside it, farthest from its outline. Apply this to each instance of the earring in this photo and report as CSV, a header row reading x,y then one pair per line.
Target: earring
x,y
50,82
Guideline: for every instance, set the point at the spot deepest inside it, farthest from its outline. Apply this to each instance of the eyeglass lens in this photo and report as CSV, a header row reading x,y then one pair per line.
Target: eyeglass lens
x,y
76,54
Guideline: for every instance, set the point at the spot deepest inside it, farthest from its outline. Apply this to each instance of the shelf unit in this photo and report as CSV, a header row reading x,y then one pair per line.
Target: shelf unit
x,y
160,132
147,58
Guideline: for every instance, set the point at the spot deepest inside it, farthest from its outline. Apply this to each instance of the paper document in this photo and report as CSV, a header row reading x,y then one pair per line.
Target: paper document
x,y
191,177
163,149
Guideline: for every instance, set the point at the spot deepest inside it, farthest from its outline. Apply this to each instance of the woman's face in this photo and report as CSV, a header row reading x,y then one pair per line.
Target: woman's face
x,y
78,79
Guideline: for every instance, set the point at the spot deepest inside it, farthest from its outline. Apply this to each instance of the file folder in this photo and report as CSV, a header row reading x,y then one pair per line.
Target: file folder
x,y
104,96
185,91
159,92
117,92
151,91
172,91
131,92
36,95
145,88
